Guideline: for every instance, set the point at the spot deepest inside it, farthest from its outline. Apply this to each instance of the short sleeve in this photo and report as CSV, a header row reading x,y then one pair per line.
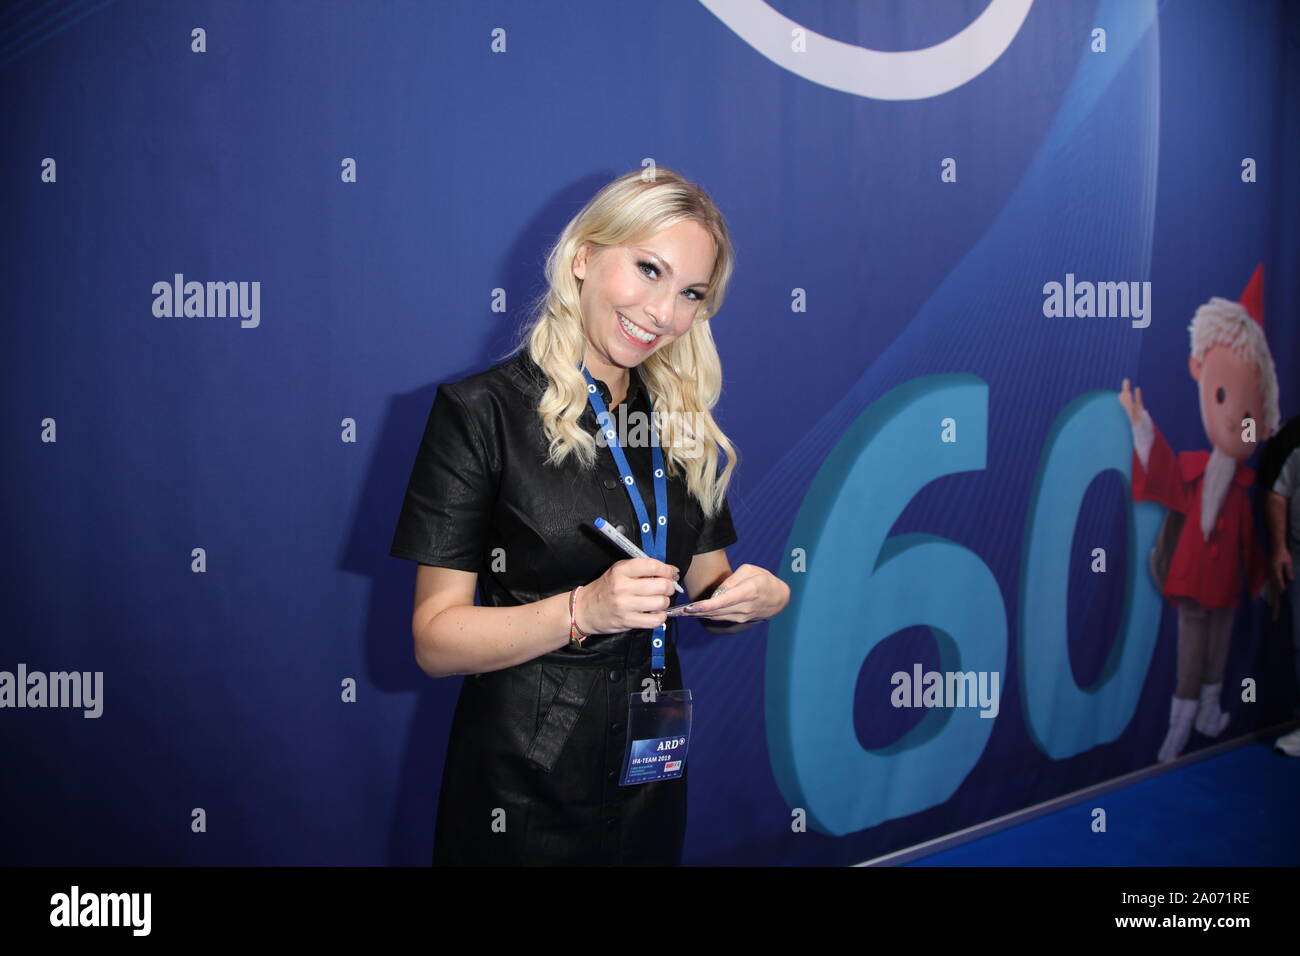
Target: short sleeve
x,y
446,515
1289,477
716,532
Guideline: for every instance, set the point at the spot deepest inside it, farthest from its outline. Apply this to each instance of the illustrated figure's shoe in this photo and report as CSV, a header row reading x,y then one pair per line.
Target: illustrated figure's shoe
x,y
1181,714
1209,719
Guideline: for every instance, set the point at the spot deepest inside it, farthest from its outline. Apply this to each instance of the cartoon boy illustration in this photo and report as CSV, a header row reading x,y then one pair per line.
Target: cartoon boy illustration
x,y
1237,383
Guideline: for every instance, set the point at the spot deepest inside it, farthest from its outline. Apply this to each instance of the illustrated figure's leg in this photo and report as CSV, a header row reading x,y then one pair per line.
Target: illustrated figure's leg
x,y
1210,720
1192,622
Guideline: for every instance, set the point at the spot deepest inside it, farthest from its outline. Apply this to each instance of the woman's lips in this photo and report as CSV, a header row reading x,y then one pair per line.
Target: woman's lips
x,y
634,341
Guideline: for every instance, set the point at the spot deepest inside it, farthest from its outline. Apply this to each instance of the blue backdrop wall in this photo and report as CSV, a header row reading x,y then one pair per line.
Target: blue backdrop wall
x,y
199,508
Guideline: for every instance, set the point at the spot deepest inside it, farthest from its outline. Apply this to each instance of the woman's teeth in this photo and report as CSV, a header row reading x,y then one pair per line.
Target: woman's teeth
x,y
638,333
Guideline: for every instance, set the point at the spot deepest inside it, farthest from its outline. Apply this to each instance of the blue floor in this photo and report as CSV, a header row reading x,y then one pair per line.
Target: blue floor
x,y
1239,808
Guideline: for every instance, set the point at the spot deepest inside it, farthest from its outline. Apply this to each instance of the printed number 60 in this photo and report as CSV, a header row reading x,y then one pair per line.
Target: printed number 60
x,y
862,586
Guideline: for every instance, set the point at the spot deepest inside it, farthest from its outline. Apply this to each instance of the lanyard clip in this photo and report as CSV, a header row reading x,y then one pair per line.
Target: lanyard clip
x,y
658,675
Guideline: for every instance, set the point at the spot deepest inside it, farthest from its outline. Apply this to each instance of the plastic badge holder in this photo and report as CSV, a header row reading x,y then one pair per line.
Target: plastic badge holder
x,y
658,733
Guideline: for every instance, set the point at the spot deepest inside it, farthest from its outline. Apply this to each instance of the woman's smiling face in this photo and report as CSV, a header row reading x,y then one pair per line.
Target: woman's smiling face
x,y
656,284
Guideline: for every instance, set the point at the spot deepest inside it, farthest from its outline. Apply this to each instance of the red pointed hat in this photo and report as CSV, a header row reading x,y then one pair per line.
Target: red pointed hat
x,y
1252,298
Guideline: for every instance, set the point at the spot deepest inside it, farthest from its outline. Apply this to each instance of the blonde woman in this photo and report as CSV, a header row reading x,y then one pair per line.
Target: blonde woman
x,y
513,470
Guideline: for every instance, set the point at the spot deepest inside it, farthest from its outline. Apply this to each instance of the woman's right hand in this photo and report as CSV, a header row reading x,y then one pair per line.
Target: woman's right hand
x,y
633,594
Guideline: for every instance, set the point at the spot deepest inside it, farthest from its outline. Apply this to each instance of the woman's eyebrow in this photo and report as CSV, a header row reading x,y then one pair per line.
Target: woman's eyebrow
x,y
667,265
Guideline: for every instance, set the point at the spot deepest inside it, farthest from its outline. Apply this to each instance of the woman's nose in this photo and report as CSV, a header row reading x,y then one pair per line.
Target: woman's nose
x,y
663,310
658,325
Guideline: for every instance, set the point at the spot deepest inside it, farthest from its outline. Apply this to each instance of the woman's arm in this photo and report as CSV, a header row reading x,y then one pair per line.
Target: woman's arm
x,y
706,572
455,636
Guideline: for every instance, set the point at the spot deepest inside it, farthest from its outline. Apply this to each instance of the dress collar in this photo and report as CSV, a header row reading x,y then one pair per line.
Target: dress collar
x,y
634,386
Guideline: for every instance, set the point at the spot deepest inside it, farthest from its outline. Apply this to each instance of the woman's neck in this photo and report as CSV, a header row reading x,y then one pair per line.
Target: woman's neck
x,y
616,378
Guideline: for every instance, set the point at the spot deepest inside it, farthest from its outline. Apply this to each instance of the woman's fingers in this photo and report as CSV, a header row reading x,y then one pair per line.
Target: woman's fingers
x,y
727,599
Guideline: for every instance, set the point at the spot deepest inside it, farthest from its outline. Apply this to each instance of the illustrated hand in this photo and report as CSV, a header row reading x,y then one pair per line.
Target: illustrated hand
x,y
632,595
1132,402
750,594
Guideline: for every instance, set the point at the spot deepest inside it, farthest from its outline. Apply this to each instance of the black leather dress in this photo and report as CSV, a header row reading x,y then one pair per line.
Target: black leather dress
x,y
536,750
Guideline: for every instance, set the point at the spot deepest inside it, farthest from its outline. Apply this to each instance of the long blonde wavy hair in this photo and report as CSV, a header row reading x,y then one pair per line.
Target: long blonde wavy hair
x,y
684,377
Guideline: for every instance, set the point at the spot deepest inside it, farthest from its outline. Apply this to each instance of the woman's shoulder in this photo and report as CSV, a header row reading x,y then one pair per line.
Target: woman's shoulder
x,y
513,381
492,405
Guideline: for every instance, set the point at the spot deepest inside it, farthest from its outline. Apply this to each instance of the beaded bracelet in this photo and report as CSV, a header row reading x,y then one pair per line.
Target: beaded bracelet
x,y
576,637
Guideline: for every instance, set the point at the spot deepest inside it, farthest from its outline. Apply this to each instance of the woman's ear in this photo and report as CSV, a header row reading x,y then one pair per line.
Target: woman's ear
x,y
1194,368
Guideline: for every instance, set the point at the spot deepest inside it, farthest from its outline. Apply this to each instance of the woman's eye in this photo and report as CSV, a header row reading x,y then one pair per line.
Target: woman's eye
x,y
695,296
1219,395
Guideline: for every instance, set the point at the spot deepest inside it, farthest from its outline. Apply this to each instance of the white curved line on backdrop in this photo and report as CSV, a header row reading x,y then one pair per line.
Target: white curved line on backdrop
x,y
877,74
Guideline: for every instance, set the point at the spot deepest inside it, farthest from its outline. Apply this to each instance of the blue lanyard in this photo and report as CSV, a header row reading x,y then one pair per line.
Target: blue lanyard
x,y
654,538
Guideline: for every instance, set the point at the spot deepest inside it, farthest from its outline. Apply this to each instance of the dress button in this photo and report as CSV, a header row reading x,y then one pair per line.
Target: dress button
x,y
611,484
611,775
616,727
611,823
614,676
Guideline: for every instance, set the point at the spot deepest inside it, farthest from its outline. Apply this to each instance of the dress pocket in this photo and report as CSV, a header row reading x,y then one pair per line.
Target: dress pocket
x,y
549,679
559,714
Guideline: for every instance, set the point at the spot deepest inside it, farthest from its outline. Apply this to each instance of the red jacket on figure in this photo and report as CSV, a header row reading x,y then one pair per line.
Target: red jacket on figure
x,y
1207,571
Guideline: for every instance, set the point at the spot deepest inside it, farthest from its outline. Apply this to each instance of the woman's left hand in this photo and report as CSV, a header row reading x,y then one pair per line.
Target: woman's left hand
x,y
749,595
